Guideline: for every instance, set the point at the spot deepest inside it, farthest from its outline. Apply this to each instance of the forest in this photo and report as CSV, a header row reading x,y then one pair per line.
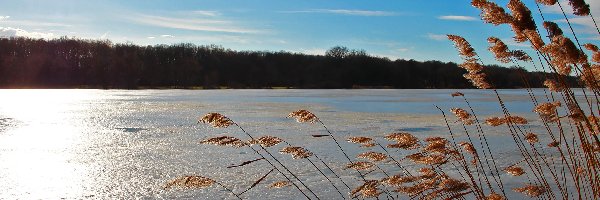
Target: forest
x,y
79,63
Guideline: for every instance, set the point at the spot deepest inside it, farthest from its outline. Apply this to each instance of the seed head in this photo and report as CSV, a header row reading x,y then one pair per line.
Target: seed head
x,y
280,184
553,144
553,29
463,47
361,165
403,140
266,141
463,115
495,121
436,146
520,55
522,19
580,7
595,50
216,120
296,152
515,170
364,141
491,12
190,182
435,159
595,125
373,156
224,141
453,185
516,119
456,94
367,190
468,147
398,180
531,138
564,53
531,190
547,111
303,116
494,196
553,85
500,50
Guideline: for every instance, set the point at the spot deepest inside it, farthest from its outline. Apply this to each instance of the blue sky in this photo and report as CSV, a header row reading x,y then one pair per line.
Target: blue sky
x,y
406,29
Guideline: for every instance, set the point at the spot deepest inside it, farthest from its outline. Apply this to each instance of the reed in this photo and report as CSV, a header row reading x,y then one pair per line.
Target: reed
x,y
462,165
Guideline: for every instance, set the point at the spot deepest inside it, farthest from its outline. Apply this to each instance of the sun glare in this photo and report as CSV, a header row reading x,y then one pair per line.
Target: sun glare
x,y
38,148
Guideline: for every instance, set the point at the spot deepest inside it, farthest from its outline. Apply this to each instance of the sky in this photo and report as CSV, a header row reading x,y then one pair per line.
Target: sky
x,y
397,29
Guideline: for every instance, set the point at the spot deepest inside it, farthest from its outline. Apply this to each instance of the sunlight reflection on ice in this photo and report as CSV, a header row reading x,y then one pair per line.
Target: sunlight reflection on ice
x,y
37,154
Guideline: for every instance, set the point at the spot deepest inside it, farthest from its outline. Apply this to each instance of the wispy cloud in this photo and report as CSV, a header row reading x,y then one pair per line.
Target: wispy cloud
x,y
457,18
438,37
210,13
16,32
368,13
586,24
513,43
193,24
7,20
167,36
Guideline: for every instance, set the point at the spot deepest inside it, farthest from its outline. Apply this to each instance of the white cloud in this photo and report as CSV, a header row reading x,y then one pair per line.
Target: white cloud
x,y
368,13
105,35
594,38
30,23
313,51
167,36
210,13
191,24
438,37
401,50
16,32
586,23
457,18
151,37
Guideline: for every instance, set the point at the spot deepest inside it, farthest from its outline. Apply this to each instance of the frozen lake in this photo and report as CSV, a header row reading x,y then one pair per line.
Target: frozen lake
x,y
124,144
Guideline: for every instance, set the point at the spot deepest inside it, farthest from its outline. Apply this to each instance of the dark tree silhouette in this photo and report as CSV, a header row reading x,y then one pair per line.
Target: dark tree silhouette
x,y
78,63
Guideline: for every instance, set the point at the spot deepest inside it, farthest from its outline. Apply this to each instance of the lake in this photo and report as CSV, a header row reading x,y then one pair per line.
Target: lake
x,y
124,144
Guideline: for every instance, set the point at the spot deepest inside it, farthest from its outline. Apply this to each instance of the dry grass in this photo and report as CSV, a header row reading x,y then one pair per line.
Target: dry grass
x,y
565,168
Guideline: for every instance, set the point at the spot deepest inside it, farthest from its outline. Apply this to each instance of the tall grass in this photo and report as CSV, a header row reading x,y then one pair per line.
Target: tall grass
x,y
465,167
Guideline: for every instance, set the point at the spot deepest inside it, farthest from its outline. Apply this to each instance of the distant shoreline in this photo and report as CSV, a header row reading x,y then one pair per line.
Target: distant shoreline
x,y
77,63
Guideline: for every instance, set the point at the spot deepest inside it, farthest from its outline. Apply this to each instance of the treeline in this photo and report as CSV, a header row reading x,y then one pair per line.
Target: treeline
x,y
77,63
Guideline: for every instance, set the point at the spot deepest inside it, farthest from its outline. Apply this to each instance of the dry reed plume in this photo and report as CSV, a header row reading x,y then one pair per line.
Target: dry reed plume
x,y
531,190
364,141
361,165
303,116
191,182
224,141
403,140
373,156
296,152
216,120
406,166
266,141
280,184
